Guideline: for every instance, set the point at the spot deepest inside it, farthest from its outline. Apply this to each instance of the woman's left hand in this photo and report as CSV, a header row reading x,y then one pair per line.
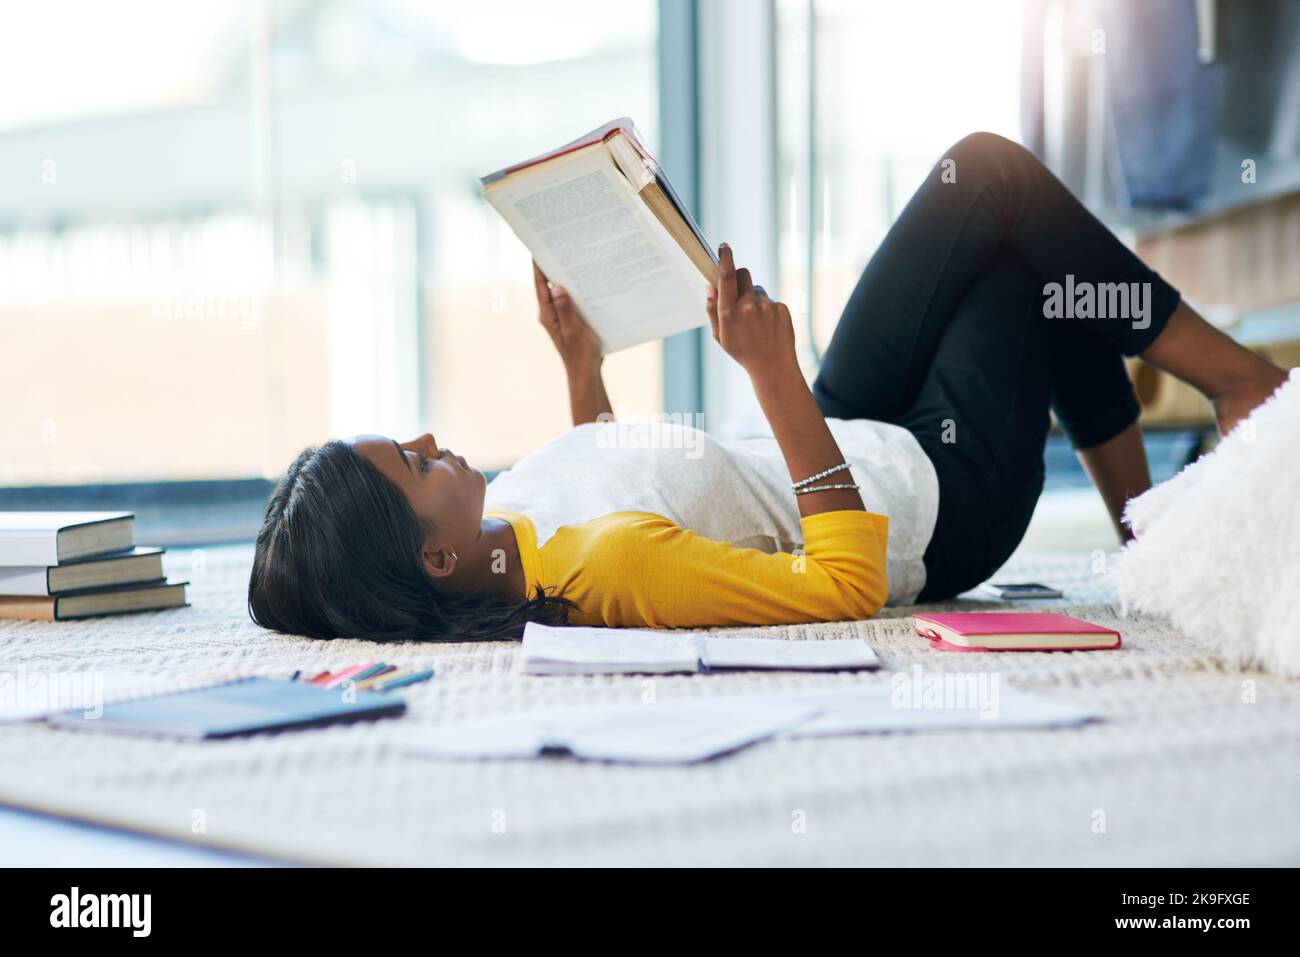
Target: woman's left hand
x,y
750,327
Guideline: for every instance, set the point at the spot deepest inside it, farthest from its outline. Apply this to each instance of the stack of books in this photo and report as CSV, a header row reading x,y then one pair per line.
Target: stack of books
x,y
60,565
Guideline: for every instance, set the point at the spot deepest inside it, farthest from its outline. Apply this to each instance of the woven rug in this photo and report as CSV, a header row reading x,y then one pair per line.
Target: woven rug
x,y
1196,763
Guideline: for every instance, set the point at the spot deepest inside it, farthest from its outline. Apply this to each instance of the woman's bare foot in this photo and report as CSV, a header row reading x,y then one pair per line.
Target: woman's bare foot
x,y
1234,404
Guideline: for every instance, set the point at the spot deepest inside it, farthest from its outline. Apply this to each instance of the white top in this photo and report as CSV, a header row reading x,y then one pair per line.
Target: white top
x,y
737,492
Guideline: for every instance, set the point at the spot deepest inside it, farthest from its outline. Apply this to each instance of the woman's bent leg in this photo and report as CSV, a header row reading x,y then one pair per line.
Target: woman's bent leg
x,y
988,197
981,415
1235,379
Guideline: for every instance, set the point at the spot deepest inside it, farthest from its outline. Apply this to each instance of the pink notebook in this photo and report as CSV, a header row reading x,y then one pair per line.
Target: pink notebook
x,y
1013,631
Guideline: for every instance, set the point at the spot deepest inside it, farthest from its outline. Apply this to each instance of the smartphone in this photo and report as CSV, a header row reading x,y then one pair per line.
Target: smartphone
x,y
1021,590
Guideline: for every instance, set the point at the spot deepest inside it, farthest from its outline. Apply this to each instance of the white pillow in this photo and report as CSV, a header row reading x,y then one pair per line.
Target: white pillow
x,y
1218,545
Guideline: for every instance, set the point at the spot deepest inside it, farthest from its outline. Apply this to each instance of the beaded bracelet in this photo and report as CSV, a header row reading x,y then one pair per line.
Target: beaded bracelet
x,y
826,488
820,475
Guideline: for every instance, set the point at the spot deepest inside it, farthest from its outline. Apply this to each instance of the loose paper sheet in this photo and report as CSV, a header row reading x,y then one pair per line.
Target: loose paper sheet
x,y
685,731
885,707
666,732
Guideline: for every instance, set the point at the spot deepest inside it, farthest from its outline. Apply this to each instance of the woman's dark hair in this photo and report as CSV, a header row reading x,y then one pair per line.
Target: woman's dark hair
x,y
338,556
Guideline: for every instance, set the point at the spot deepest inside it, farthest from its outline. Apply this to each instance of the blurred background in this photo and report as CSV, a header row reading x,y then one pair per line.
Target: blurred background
x,y
233,228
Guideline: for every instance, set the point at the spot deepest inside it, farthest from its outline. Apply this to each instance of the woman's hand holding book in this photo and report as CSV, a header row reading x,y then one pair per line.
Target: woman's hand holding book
x,y
758,333
579,349
750,327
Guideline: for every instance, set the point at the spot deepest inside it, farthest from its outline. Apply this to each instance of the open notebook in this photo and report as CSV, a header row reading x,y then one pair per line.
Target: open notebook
x,y
574,650
601,219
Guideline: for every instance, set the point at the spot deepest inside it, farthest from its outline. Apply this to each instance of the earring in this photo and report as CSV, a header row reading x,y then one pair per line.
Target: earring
x,y
454,556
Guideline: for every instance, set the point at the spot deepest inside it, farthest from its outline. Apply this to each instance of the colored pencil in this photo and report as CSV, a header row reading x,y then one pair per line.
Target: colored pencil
x,y
383,674
369,672
410,679
345,674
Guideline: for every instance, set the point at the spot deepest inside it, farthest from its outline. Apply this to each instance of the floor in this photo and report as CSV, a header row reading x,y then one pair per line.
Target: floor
x,y
1070,521
1184,772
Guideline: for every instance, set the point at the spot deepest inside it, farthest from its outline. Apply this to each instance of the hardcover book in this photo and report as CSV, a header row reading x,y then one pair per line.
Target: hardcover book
x,y
602,220
1013,631
50,538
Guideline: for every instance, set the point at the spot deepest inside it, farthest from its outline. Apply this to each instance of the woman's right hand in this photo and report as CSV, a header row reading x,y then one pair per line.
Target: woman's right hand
x,y
575,341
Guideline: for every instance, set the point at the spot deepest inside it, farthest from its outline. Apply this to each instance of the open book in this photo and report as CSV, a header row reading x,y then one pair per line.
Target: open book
x,y
573,650
602,220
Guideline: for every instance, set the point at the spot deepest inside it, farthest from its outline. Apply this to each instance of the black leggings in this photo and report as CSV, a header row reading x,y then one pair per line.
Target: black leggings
x,y
948,334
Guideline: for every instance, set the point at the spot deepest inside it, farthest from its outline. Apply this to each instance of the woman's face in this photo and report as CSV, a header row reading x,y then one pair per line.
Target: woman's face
x,y
440,485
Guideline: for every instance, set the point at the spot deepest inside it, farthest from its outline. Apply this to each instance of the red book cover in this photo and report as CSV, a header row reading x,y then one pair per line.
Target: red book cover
x,y
971,626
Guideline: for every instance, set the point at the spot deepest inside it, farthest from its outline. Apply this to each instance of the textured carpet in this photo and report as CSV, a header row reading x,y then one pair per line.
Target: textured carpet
x,y
1195,764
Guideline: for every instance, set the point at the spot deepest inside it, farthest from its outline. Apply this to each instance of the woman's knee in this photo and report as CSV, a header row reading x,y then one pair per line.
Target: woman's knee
x,y
986,157
982,143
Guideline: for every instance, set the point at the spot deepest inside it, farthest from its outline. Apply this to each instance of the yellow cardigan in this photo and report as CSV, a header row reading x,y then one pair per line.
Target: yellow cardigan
x,y
636,569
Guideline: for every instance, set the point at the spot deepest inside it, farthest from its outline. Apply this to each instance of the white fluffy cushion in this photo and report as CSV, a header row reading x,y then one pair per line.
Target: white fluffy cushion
x,y
1218,545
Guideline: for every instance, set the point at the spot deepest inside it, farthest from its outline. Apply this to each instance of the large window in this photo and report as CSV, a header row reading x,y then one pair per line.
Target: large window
x,y
231,229
868,97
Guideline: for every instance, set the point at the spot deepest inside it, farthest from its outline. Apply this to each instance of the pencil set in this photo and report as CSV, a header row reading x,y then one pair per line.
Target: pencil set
x,y
370,676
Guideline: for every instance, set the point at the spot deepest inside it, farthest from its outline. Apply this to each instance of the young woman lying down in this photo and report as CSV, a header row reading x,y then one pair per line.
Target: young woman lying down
x,y
909,471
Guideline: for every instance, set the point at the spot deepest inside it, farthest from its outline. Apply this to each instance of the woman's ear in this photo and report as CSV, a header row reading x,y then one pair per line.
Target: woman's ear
x,y
439,562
